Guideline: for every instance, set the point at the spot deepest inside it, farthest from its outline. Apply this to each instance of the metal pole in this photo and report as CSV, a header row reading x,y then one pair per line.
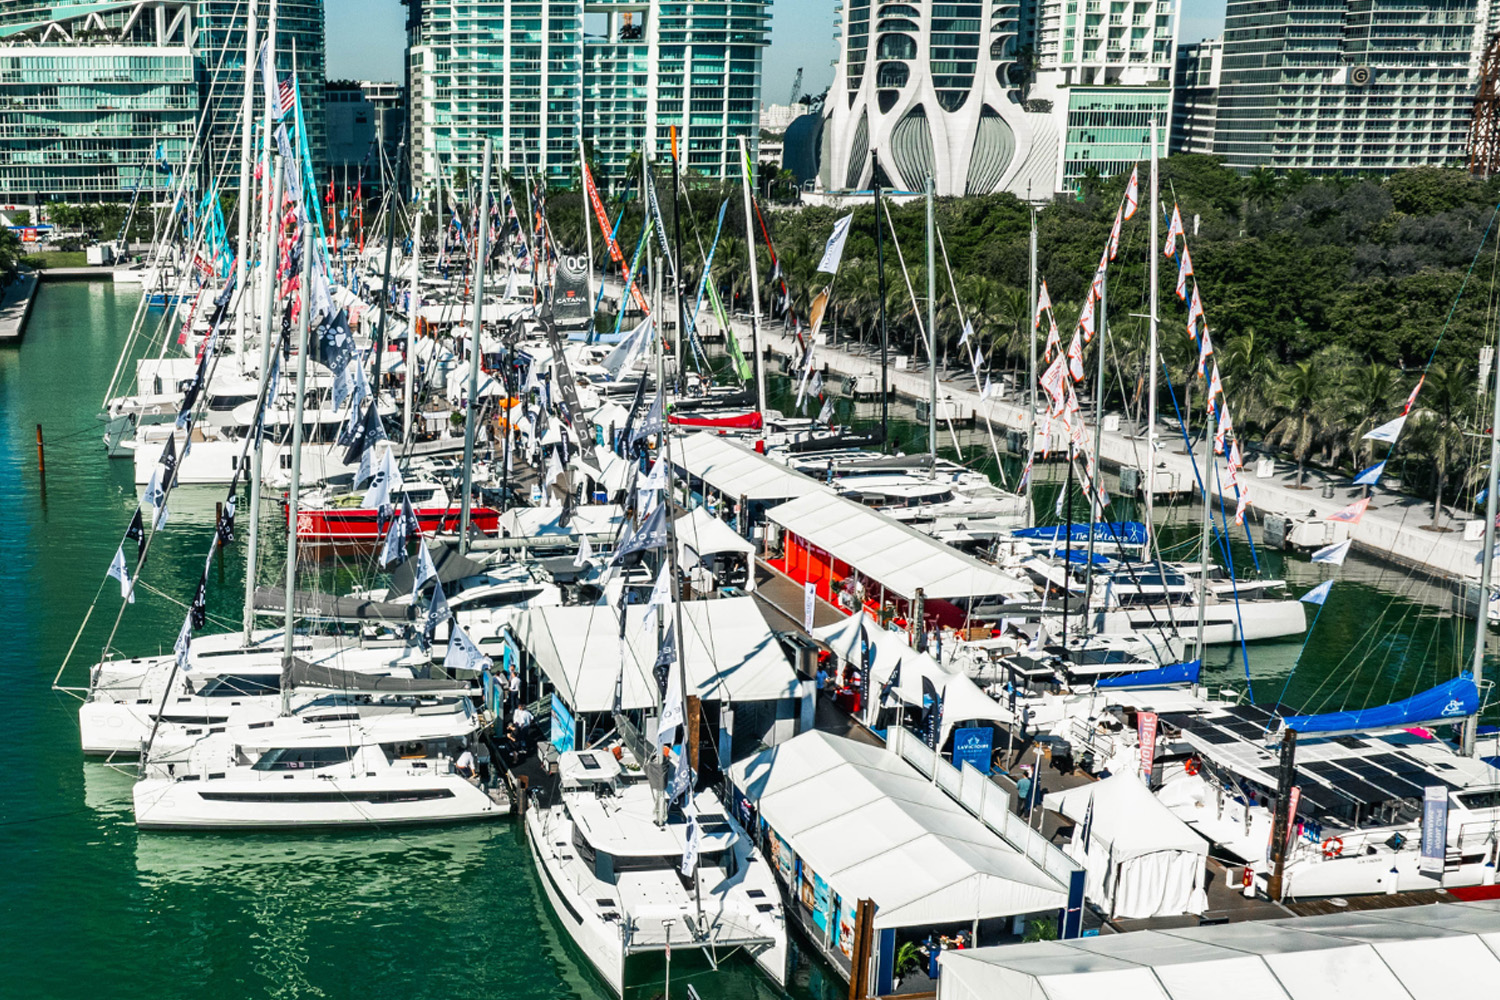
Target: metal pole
x,y
409,390
1095,510
588,235
267,325
1209,429
1032,376
1486,569
292,498
1151,350
385,280
760,366
679,354
483,250
885,394
246,193
932,380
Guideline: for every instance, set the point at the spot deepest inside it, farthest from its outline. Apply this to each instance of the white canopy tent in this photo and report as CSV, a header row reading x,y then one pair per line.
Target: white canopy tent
x,y
900,558
535,522
734,471
1141,861
700,535
1434,952
730,653
873,827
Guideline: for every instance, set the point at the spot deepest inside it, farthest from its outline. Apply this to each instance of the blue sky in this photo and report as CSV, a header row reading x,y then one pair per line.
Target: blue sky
x,y
366,39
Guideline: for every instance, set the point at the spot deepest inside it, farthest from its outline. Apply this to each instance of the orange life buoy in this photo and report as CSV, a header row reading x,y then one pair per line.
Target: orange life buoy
x,y
1191,767
1333,847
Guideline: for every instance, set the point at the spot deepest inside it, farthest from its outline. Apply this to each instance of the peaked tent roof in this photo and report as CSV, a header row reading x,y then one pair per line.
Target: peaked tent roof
x,y
1127,817
730,653
873,827
902,559
736,471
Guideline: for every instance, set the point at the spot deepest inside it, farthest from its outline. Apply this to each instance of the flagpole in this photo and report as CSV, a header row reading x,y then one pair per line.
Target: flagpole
x,y
932,380
292,496
267,325
385,280
760,366
481,252
885,395
408,389
247,175
1032,398
1151,349
1486,567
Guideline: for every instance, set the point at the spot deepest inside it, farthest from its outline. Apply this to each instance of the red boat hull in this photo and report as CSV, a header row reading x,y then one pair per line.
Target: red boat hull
x,y
362,524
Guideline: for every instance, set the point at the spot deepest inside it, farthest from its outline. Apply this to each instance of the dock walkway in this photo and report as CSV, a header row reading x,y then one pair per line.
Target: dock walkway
x,y
15,307
1396,527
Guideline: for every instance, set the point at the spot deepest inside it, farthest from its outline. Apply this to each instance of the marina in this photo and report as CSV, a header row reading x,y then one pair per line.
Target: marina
x,y
499,599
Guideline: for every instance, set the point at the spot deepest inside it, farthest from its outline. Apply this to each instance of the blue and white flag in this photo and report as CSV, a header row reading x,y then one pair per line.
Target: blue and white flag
x,y
463,654
395,543
1370,476
1334,553
1318,594
437,613
425,569
1387,432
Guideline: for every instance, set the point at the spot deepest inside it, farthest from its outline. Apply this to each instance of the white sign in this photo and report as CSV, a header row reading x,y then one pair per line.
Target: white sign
x,y
809,602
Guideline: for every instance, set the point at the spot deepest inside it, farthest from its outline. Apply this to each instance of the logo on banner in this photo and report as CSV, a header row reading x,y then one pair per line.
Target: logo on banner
x,y
1147,735
973,746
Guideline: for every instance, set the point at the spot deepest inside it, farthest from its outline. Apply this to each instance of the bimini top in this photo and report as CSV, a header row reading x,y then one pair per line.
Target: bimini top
x,y
883,549
873,827
729,650
734,471
1438,950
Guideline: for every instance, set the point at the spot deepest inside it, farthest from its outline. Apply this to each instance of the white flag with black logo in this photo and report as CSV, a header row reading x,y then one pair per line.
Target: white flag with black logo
x,y
671,709
119,572
834,251
585,550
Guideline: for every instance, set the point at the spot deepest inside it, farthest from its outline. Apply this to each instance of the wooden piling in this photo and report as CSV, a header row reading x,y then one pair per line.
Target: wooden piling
x,y
41,455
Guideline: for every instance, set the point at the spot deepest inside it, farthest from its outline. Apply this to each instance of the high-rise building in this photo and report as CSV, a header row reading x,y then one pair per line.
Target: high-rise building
x,y
934,89
1028,97
1333,86
1195,96
536,75
98,119
100,95
360,118
221,68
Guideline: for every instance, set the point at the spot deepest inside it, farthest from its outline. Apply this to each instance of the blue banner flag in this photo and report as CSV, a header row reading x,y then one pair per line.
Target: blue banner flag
x,y
1318,594
1370,476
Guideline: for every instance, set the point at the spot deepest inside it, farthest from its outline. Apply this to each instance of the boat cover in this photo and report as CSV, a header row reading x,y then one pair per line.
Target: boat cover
x,y
1128,532
304,674
745,421
1176,673
328,607
1447,702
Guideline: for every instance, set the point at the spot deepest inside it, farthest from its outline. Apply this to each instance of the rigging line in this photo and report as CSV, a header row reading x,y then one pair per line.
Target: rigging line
x,y
1229,564
963,320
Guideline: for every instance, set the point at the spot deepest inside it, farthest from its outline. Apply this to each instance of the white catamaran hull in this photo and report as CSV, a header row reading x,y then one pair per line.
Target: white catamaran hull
x,y
599,940
334,801
213,463
1223,623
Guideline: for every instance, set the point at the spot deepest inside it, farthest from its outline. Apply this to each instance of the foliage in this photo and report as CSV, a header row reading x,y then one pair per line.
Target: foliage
x,y
908,958
55,258
1040,929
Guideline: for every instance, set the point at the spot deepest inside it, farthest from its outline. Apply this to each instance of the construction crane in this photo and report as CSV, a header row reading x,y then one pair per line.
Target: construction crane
x,y
1484,133
796,87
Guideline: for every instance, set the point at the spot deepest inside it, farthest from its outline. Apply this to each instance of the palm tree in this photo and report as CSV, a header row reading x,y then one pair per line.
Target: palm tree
x,y
1368,397
1440,423
1248,370
1301,402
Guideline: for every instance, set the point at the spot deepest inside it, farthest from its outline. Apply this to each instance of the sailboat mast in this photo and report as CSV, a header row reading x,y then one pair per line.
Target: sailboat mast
x,y
1031,372
1096,488
760,364
247,180
885,394
267,325
932,388
1486,569
483,250
408,390
1151,349
296,487
588,236
389,204
1210,428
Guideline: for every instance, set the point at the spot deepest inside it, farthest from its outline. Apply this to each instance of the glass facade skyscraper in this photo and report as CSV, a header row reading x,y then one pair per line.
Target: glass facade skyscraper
x,y
97,97
1347,85
535,75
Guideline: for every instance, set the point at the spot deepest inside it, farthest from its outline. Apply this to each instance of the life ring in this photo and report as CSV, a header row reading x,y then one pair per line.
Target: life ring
x,y
1191,767
1333,847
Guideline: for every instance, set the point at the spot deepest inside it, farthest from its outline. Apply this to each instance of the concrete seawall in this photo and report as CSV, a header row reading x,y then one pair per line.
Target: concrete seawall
x,y
15,307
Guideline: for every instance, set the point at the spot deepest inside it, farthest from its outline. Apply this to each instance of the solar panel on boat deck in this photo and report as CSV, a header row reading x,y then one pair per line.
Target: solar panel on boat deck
x,y
1325,769
1362,791
1252,731
1321,798
1250,713
1215,735
1397,786
1180,720
1396,763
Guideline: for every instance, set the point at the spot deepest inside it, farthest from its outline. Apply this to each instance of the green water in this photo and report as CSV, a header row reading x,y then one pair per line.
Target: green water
x,y
93,908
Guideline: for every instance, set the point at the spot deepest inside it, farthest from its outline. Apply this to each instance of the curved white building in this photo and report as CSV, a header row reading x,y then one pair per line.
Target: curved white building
x,y
934,87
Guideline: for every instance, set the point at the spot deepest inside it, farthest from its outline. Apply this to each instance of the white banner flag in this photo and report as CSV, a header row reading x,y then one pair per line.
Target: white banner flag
x,y
834,251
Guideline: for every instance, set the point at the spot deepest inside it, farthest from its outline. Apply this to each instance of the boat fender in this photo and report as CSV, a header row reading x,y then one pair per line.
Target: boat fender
x,y
1333,847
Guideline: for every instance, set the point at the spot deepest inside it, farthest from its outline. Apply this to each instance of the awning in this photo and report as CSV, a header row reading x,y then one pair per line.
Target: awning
x,y
730,652
734,471
873,827
700,532
901,559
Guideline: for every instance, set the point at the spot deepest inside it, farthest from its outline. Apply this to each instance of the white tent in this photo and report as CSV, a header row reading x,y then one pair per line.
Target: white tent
x,y
872,827
700,534
900,558
1141,860
734,471
1434,952
730,652
891,648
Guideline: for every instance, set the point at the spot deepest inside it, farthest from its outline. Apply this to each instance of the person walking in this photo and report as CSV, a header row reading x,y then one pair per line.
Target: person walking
x,y
1023,792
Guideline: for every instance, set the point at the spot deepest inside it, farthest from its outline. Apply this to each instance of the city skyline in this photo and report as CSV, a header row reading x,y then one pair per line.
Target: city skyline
x,y
373,40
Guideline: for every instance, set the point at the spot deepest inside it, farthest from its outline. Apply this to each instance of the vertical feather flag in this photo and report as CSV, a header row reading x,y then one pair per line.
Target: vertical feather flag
x,y
1240,508
1075,358
1086,318
1054,341
1205,349
1195,313
1043,304
1174,230
1114,235
1215,386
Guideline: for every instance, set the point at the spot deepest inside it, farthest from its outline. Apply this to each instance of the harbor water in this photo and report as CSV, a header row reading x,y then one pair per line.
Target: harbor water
x,y
93,907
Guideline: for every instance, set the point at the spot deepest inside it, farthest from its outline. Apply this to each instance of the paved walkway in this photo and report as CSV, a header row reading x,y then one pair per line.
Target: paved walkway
x,y
1395,527
15,307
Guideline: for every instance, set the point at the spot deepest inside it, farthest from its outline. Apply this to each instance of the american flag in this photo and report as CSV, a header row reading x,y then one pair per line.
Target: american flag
x,y
285,98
